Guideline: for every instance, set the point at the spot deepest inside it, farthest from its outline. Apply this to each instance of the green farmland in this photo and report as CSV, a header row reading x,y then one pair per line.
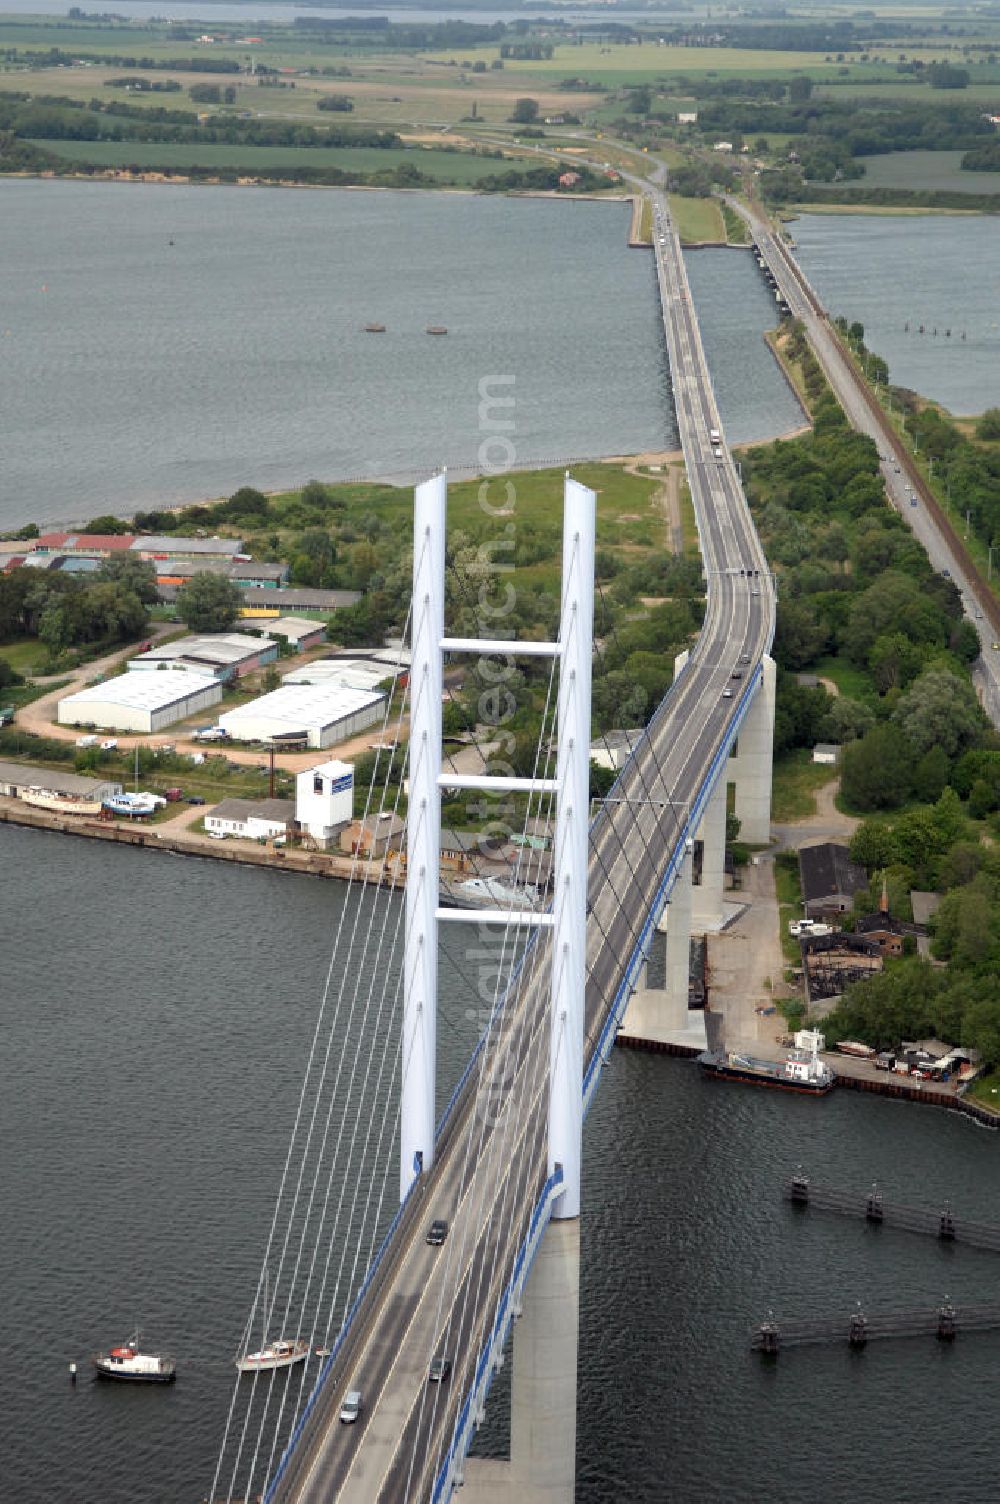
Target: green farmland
x,y
453,167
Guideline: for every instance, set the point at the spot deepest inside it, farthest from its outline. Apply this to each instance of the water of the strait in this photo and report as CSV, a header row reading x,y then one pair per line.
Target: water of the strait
x,y
155,1020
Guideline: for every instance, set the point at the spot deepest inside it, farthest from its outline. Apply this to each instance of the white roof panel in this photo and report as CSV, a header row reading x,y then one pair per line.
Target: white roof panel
x,y
301,707
143,691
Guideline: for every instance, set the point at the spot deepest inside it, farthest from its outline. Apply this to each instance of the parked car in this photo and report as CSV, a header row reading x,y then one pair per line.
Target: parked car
x,y
110,744
885,1061
195,799
174,796
86,741
437,1232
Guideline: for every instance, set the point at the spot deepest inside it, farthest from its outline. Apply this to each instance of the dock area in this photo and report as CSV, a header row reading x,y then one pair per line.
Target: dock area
x,y
192,843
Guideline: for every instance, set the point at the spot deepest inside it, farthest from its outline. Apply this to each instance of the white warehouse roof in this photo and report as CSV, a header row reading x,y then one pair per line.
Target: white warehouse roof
x,y
223,648
142,691
313,709
340,673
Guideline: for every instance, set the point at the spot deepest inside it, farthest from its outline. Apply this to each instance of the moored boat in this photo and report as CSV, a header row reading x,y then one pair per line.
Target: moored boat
x,y
437,329
126,1362
60,804
134,805
799,1070
374,328
282,1353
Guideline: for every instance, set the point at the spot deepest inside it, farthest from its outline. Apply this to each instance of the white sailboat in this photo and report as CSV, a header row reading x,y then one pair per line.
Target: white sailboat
x,y
283,1352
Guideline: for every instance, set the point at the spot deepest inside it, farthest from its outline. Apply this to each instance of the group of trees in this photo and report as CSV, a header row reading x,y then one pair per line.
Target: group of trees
x,y
917,750
934,846
856,584
55,118
66,612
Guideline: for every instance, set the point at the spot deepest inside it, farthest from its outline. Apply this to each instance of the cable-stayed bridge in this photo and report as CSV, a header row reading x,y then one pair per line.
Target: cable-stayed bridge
x,y
501,1166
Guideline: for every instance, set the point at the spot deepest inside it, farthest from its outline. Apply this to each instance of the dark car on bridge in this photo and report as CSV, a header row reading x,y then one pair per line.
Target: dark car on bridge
x,y
437,1232
440,1370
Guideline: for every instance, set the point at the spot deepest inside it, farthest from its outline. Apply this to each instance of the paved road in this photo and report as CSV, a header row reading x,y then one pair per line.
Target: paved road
x,y
904,487
492,1164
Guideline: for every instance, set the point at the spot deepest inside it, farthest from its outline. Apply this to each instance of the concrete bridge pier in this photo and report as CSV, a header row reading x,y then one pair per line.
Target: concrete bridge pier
x,y
660,1015
542,1465
710,844
751,768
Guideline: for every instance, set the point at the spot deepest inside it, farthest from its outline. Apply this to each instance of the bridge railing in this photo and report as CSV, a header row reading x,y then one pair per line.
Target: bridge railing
x,y
374,1276
605,1040
465,1424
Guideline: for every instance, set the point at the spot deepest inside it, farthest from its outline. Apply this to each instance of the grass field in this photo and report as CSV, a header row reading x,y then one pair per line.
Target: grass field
x,y
697,219
940,170
458,167
648,61
26,655
986,1091
789,890
795,781
856,683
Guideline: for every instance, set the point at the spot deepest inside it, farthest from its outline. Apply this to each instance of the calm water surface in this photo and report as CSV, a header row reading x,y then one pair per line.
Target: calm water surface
x,y
155,1017
164,344
937,270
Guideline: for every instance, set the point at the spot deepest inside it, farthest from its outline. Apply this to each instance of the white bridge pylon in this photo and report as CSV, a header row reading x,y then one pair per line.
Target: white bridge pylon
x,y
567,918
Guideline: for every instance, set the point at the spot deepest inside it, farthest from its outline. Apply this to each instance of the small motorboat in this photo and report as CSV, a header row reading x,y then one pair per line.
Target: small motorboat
x,y
129,1363
283,1352
279,1354
374,328
437,329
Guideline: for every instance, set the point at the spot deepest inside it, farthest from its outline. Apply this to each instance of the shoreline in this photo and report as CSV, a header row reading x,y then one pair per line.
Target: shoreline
x,y
329,865
406,479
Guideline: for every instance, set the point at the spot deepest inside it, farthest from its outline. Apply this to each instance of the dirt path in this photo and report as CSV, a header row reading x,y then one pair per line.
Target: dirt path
x,y
826,823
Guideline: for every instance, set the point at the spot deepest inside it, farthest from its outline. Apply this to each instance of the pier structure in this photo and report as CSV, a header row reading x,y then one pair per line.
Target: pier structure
x,y
935,1222
945,1322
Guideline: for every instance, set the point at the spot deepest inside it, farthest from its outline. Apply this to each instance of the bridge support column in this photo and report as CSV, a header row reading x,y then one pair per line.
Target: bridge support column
x,y
542,1466
660,1016
677,918
543,1396
751,767
708,893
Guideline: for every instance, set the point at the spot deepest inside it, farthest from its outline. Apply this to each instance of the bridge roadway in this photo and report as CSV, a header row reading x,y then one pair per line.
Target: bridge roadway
x,y
491,1166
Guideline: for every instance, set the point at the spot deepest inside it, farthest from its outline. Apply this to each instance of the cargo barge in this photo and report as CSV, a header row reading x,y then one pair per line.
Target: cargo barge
x,y
800,1070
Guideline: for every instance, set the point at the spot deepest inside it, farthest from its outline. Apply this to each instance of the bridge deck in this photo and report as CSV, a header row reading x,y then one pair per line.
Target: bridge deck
x,y
491,1164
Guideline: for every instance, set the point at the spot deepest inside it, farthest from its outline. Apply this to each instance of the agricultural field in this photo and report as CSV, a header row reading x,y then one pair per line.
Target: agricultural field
x,y
449,167
646,62
926,169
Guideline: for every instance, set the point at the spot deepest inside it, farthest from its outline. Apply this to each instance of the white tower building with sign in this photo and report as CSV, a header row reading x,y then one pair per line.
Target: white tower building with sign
x,y
324,799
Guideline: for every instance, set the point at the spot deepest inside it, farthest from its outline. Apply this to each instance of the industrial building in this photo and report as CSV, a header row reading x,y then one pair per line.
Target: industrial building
x,y
172,546
260,598
324,801
253,819
140,702
343,673
16,778
223,655
321,715
298,631
241,571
